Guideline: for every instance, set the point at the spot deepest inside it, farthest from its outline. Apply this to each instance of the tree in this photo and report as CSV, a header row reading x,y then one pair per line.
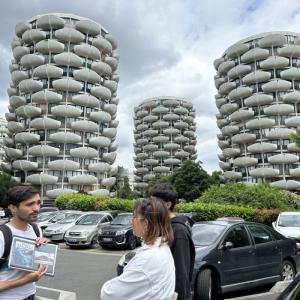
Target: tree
x,y
5,184
296,137
156,180
125,191
190,180
215,178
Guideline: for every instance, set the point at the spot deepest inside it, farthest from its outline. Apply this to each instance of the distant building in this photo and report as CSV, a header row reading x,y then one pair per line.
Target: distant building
x,y
3,134
62,105
259,102
164,137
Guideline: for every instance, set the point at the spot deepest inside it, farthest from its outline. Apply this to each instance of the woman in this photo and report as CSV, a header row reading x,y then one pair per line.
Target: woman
x,y
150,274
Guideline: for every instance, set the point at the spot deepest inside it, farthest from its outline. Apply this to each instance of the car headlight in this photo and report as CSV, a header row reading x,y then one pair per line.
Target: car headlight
x,y
58,231
100,231
85,233
120,232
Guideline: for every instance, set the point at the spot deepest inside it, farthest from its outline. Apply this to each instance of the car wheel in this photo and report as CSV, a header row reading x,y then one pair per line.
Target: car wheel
x,y
206,287
131,242
287,271
94,241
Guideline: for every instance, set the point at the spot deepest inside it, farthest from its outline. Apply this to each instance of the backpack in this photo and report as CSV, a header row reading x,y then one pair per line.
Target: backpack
x,y
7,235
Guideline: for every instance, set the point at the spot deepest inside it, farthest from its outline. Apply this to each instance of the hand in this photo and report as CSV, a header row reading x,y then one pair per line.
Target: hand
x,y
41,240
35,276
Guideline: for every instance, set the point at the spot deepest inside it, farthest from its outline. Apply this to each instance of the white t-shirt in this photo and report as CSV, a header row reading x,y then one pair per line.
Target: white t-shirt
x,y
149,275
6,274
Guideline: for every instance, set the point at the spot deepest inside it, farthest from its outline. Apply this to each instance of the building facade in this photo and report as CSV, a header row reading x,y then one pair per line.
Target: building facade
x,y
164,137
3,134
259,101
62,105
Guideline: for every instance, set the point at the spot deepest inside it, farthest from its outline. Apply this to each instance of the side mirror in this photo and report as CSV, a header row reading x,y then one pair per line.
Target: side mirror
x,y
226,245
274,224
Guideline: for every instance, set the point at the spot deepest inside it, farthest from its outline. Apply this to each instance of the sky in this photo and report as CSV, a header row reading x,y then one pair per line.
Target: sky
x,y
166,48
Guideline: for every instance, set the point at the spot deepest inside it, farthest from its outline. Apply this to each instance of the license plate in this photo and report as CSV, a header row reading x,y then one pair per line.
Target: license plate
x,y
72,240
107,239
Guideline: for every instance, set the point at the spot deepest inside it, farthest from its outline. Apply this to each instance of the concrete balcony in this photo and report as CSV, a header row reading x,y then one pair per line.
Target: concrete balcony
x,y
50,46
262,148
68,111
87,51
65,137
254,54
69,35
46,96
43,150
50,22
68,59
84,179
84,152
231,152
100,167
264,172
63,165
41,179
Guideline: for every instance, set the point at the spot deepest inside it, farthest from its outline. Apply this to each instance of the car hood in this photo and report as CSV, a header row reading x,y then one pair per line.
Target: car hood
x,y
116,227
289,231
60,226
82,228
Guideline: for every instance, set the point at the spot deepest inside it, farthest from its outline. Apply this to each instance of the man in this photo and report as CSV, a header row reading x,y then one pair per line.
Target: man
x,y
24,203
183,248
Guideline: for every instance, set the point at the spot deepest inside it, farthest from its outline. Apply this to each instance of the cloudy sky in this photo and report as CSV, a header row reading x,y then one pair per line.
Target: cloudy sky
x,y
166,47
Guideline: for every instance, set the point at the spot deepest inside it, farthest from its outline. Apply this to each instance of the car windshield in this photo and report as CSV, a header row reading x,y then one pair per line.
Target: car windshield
x,y
206,234
70,218
122,220
289,221
46,216
92,219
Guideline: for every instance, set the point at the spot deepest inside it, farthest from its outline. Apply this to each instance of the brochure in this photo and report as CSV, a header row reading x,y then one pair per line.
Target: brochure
x,y
26,255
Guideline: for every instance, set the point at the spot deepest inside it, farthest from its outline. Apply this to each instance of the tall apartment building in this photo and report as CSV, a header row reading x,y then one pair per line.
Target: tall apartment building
x,y
259,102
164,137
3,134
62,105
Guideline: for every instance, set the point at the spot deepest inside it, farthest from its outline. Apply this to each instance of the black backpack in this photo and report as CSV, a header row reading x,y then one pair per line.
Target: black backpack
x,y
7,235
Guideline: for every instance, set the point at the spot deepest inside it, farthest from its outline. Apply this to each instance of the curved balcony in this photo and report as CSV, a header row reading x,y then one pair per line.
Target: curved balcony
x,y
239,93
50,46
225,66
46,96
10,117
170,102
243,138
293,97
100,192
101,92
231,175
160,124
102,68
272,40
279,133
181,111
45,123
149,104
258,100
85,100
69,35
181,139
150,132
32,36
242,115
41,179
110,157
150,147
260,123
218,81
13,153
172,161
141,127
291,74
32,60
224,166
112,62
30,86
161,153
171,131
231,152
108,182
236,50
295,172
293,147
85,126
283,158
279,109
28,111
238,71
274,62
142,170
217,62
286,184
83,179
9,142
109,132
65,111
293,122
50,22
57,192
100,167
276,85
264,172
161,169
84,152
16,101
142,141
245,161
182,154
20,51
25,165
88,27
289,51
100,117
228,108
262,148
17,76
43,150
65,137
12,91
67,84
63,165
27,138
220,102
112,40
87,51
256,77
229,130
171,117
223,144
148,177
68,59
142,155
254,54
47,71
151,162
15,127
101,142
226,87
102,44
160,110
111,84
142,113
150,118
171,146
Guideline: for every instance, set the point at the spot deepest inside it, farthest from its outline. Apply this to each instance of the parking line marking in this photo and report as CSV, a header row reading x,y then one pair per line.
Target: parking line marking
x,y
63,295
96,253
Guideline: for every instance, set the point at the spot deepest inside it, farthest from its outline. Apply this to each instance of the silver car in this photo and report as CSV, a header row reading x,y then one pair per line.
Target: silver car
x,y
56,232
85,231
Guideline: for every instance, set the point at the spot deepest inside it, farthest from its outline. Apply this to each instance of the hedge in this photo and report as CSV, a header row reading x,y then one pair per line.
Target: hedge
x,y
202,211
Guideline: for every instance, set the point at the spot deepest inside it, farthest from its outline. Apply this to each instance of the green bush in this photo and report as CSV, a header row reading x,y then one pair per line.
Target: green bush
x,y
256,196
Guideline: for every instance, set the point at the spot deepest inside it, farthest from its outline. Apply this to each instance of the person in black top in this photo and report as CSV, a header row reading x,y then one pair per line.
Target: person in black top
x,y
183,249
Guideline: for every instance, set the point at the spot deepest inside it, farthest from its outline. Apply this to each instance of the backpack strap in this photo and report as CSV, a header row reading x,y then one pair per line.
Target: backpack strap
x,y
36,229
7,235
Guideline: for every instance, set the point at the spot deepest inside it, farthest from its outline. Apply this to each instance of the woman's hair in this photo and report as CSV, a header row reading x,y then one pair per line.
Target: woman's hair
x,y
156,213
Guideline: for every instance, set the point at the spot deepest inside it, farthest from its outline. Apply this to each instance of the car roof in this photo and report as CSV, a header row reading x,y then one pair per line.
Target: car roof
x,y
126,213
226,223
289,213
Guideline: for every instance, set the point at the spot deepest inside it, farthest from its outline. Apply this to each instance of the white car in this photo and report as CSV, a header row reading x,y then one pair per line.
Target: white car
x,y
288,224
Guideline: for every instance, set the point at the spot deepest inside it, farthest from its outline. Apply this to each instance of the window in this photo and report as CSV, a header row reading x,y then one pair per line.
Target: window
x,y
238,236
259,234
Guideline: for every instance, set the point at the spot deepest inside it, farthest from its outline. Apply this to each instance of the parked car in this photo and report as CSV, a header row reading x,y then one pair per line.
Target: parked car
x,y
48,208
236,255
288,224
118,233
2,212
85,230
57,231
292,292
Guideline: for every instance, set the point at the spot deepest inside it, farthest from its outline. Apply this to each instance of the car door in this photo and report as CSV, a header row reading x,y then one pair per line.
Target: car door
x,y
267,251
238,264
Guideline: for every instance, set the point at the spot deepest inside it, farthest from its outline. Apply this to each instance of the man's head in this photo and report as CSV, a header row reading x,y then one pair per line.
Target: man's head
x,y
165,192
24,203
